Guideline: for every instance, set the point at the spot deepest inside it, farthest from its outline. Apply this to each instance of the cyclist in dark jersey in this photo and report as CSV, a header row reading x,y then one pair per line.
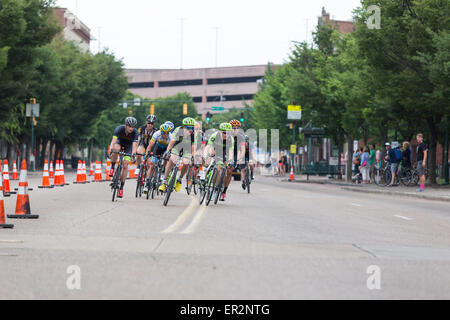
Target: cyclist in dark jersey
x,y
145,135
125,137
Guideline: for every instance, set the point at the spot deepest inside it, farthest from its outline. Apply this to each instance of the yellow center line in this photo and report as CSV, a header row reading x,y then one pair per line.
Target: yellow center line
x,y
198,217
182,217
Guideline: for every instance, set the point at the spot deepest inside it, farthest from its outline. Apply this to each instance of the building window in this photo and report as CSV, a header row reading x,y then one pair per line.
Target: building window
x,y
237,97
141,85
179,83
234,80
197,99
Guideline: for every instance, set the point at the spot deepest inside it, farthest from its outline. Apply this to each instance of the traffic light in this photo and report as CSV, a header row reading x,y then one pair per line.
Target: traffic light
x,y
152,109
185,108
242,117
208,116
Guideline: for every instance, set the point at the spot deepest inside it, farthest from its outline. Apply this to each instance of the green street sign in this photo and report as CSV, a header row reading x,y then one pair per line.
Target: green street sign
x,y
217,108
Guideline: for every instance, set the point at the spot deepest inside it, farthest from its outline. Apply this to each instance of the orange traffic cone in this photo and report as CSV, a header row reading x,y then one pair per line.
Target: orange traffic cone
x,y
98,172
2,212
63,178
108,167
6,187
84,172
91,171
291,176
23,210
79,174
51,172
57,181
45,178
15,175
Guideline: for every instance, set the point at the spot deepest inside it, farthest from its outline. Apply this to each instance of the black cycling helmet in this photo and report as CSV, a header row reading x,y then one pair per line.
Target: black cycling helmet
x,y
151,118
131,121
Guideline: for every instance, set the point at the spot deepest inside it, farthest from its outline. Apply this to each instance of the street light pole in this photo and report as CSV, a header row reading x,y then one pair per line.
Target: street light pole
x,y
33,167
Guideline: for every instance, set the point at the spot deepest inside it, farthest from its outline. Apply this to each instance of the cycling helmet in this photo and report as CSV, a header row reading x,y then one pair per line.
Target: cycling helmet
x,y
165,128
131,121
171,125
235,123
225,126
151,118
247,138
188,122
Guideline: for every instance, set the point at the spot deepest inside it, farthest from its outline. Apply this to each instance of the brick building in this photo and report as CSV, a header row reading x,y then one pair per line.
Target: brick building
x,y
227,87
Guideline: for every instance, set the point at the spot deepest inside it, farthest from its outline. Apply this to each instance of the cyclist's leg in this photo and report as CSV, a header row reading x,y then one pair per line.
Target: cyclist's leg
x,y
141,149
172,160
114,156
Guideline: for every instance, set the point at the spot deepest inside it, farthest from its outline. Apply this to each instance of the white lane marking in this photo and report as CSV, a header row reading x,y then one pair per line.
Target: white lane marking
x,y
355,204
198,217
182,217
11,241
402,217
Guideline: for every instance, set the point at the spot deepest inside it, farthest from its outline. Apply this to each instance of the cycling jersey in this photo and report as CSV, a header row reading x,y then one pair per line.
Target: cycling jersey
x,y
220,145
160,140
182,148
126,140
146,135
239,139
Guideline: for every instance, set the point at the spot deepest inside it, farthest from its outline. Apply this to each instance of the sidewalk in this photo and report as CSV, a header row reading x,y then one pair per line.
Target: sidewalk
x,y
440,193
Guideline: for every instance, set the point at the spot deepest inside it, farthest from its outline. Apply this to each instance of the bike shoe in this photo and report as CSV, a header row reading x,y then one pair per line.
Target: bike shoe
x,y
223,197
162,187
111,172
178,186
120,194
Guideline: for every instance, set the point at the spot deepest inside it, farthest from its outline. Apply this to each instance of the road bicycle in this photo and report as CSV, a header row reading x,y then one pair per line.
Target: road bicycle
x,y
115,182
247,181
155,178
172,180
207,181
192,179
140,182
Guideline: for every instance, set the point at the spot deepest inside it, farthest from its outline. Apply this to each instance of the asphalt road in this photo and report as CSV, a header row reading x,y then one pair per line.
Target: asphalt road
x,y
282,241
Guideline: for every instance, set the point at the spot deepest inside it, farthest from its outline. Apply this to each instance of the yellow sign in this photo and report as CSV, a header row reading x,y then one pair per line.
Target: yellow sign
x,y
294,108
294,112
293,149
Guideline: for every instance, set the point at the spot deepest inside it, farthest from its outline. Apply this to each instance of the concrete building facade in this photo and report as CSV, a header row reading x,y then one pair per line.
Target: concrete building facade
x,y
342,26
224,87
74,30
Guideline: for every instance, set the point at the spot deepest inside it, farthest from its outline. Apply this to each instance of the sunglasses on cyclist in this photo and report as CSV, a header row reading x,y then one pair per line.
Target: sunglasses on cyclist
x,y
152,123
190,128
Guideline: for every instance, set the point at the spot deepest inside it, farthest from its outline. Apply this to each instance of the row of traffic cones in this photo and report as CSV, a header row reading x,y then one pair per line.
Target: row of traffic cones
x,y
59,177
23,209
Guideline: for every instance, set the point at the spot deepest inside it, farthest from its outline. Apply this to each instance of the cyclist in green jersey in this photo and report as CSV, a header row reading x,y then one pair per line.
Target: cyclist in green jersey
x,y
220,146
182,145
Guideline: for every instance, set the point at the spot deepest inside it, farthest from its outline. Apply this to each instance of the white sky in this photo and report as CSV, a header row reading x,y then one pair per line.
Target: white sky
x,y
147,33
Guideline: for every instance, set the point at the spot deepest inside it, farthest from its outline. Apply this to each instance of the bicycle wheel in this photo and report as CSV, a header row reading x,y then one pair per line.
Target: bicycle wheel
x,y
189,180
405,177
247,179
210,186
387,177
116,181
139,183
195,181
414,178
218,190
170,184
150,186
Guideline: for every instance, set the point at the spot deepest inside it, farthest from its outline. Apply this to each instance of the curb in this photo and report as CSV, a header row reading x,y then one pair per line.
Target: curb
x,y
317,182
411,195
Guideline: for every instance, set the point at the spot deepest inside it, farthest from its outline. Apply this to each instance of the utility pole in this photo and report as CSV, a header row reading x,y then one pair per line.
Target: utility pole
x,y
181,44
217,42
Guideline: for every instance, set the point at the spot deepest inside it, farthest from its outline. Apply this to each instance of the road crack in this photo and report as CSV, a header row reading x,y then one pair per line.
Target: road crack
x,y
364,250
97,215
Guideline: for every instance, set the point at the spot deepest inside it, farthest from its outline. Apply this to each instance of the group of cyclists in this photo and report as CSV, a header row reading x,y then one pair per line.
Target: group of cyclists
x,y
186,145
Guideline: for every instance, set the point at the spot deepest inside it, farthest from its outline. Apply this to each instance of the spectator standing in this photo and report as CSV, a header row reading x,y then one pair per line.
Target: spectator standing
x,y
422,156
356,161
406,155
372,163
365,167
